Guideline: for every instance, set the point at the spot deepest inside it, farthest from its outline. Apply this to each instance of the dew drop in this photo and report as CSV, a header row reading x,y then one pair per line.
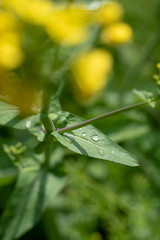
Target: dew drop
x,y
69,136
95,138
112,151
101,152
84,134
80,129
28,124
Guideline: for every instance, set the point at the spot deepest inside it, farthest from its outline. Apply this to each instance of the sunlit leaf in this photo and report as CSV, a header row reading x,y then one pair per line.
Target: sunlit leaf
x,y
91,142
10,116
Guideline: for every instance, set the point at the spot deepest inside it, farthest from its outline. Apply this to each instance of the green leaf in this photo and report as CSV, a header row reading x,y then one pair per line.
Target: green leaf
x,y
91,142
32,194
54,105
146,96
7,176
129,131
38,131
10,116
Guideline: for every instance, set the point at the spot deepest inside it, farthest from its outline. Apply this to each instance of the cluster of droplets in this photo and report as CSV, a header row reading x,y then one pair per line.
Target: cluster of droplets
x,y
71,136
95,138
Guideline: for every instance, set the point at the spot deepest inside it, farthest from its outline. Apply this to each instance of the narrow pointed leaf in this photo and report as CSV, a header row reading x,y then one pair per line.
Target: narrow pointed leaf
x,y
91,142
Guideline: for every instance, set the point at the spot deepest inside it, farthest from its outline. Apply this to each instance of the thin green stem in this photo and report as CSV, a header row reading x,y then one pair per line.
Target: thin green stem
x,y
48,124
60,89
92,120
48,147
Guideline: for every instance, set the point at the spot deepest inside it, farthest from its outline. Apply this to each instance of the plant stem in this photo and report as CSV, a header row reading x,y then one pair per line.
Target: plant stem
x,y
48,146
48,124
92,120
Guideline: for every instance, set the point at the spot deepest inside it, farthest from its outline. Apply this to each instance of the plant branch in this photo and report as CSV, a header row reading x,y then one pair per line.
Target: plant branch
x,y
48,124
114,112
48,148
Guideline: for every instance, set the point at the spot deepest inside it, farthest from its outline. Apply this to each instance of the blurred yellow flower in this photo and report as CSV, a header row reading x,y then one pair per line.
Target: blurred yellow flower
x,y
90,71
7,22
108,13
158,66
11,55
10,36
117,33
68,26
22,94
34,11
65,25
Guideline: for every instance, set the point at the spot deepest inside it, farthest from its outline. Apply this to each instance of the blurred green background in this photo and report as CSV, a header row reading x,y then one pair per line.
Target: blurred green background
x,y
104,200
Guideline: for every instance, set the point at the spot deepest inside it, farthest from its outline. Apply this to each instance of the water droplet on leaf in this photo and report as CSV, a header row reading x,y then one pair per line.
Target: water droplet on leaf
x,y
28,124
69,136
84,134
101,152
95,138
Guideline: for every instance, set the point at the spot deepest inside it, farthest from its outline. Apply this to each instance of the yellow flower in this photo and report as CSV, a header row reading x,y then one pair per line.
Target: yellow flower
x,y
11,55
90,71
109,13
7,22
18,92
34,11
158,66
117,33
67,26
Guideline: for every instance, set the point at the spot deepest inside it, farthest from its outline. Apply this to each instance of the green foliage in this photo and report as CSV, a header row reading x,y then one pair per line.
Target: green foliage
x,y
89,141
34,190
11,116
47,190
